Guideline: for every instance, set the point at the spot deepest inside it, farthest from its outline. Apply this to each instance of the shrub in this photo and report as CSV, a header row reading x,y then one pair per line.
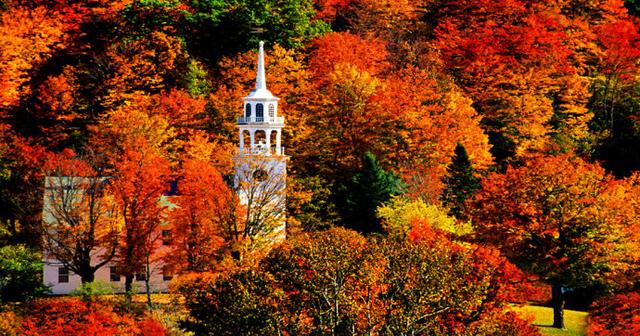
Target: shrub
x,y
20,273
505,323
9,324
618,315
236,303
72,316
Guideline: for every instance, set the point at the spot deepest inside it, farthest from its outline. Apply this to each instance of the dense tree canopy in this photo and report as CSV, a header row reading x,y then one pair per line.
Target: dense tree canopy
x,y
561,218
507,124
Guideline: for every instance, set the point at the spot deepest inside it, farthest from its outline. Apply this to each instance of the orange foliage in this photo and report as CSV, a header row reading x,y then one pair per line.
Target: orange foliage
x,y
335,49
621,49
204,218
366,17
165,121
28,37
554,209
410,119
140,178
512,60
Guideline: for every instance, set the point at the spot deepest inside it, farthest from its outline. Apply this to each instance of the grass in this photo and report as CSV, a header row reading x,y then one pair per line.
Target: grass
x,y
575,321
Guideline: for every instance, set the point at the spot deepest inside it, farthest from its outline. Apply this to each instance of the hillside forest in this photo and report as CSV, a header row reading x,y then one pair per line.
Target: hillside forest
x,y
448,160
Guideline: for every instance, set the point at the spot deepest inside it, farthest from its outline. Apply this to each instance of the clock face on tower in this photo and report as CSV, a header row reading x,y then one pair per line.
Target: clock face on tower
x,y
260,175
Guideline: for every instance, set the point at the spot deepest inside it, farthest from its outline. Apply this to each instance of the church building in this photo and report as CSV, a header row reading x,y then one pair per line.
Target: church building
x,y
260,183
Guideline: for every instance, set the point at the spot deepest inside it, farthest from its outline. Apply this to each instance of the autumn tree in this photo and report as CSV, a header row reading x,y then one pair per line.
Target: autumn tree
x,y
261,186
339,282
615,96
139,181
361,106
559,217
514,62
401,216
204,219
29,37
80,221
21,190
150,64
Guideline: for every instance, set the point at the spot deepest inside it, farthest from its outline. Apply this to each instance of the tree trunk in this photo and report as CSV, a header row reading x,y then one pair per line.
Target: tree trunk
x,y
88,276
147,283
557,298
128,289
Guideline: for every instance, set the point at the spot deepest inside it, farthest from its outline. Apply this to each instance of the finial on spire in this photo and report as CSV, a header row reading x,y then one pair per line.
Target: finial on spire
x,y
261,81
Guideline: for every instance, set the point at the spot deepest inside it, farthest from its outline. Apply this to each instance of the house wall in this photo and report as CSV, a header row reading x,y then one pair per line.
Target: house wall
x,y
102,275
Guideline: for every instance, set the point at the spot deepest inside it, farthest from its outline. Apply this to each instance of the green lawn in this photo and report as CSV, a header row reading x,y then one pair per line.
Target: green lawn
x,y
575,321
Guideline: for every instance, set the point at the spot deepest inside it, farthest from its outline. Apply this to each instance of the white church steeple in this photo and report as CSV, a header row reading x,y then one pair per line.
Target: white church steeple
x,y
261,81
260,164
260,123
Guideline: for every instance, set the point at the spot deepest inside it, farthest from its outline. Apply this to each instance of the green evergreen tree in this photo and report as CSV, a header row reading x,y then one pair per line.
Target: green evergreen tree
x,y
20,274
359,198
633,6
461,182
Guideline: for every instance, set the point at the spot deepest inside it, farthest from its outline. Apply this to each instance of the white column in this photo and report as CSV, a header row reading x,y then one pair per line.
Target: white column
x,y
251,137
267,134
278,150
241,140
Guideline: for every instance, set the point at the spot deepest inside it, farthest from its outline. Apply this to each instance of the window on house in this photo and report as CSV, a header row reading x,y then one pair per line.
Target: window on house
x,y
141,276
63,275
113,274
259,111
247,110
166,237
272,110
167,273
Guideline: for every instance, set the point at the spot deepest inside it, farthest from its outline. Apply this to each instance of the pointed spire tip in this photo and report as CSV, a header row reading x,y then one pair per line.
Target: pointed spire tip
x,y
261,82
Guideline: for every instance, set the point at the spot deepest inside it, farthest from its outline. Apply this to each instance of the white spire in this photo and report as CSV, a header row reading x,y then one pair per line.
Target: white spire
x,y
261,92
261,81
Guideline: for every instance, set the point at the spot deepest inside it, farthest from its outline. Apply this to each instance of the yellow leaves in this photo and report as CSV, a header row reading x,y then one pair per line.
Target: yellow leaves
x,y
354,83
198,146
465,129
143,65
400,215
573,113
134,120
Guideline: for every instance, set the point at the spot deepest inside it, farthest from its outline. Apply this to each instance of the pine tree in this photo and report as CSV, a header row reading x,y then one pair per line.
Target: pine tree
x,y
461,182
359,198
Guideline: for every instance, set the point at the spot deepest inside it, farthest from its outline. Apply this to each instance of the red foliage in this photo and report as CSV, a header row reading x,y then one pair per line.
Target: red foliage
x,y
506,323
621,45
151,327
618,315
71,316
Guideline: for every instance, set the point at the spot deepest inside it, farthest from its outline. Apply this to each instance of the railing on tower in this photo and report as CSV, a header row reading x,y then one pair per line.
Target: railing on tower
x,y
261,120
262,150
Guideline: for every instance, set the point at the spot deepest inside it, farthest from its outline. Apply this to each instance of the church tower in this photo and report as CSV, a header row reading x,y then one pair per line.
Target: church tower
x,y
260,162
